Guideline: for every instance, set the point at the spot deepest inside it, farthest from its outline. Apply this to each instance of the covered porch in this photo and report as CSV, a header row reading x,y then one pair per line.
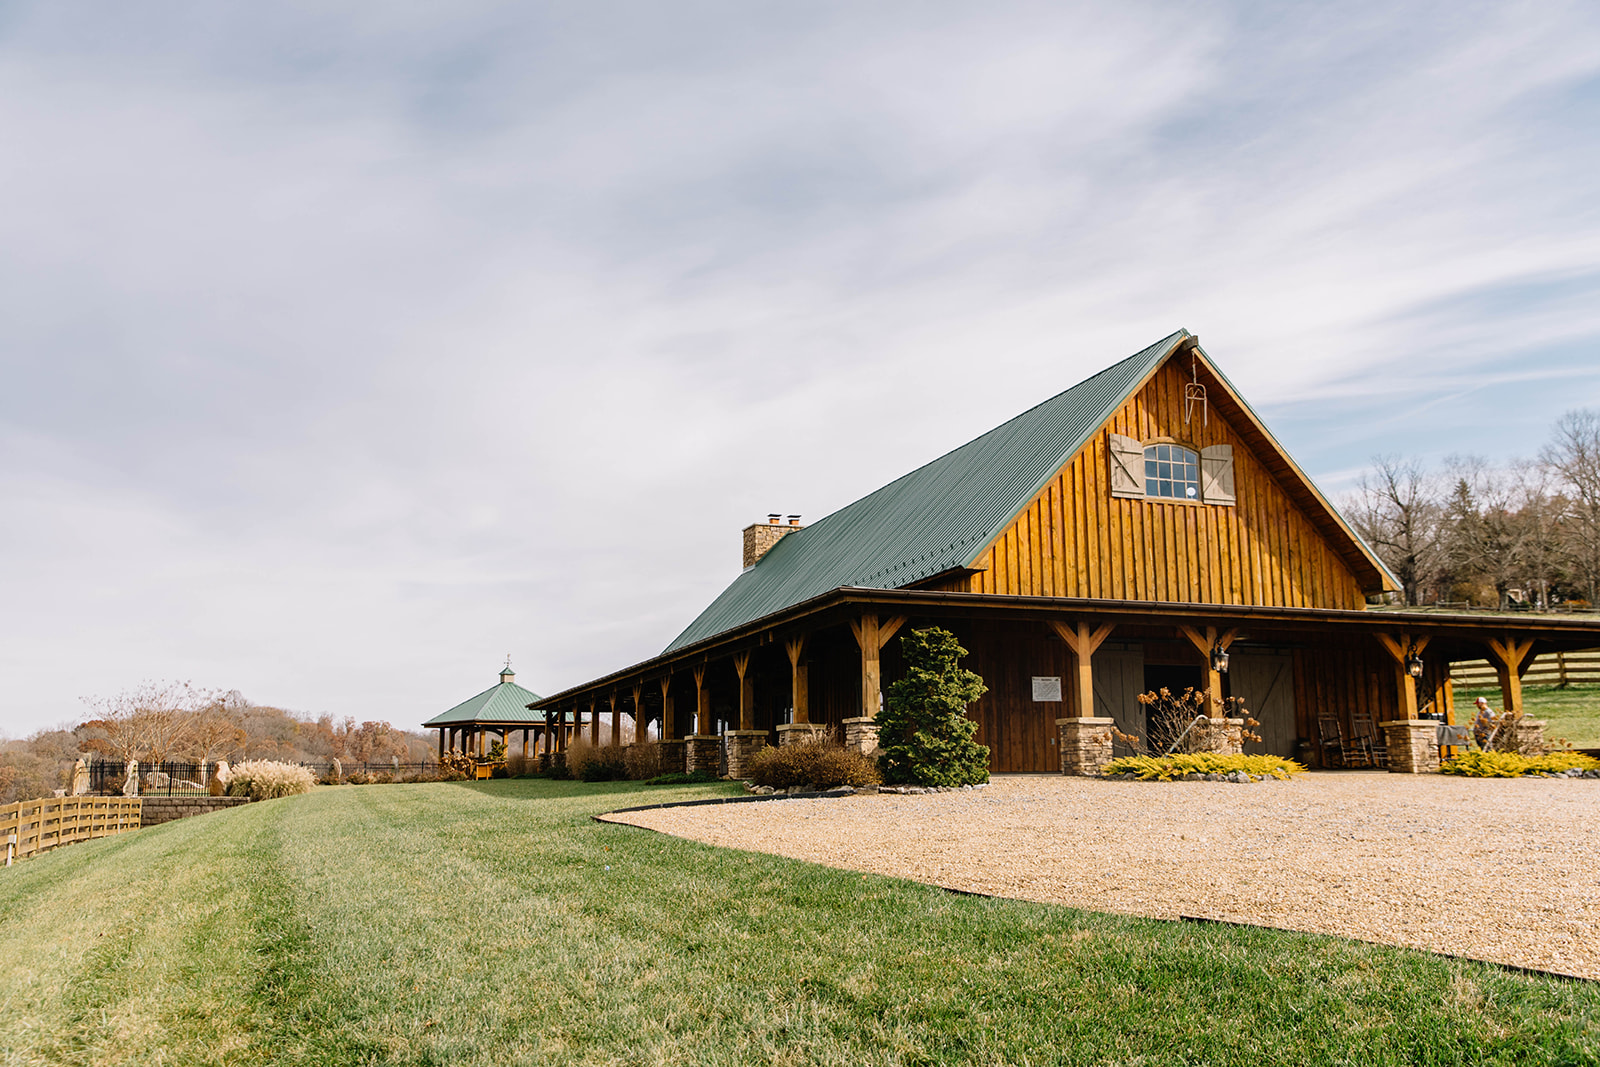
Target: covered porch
x,y
1325,684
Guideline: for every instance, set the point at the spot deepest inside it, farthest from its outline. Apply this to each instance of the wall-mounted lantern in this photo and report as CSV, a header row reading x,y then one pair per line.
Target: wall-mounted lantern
x,y
1219,659
1414,664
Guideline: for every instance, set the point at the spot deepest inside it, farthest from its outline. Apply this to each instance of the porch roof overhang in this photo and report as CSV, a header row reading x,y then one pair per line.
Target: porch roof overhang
x,y
1550,633
493,722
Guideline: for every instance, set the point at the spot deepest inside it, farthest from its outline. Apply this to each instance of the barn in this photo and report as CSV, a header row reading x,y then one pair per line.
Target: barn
x,y
1142,529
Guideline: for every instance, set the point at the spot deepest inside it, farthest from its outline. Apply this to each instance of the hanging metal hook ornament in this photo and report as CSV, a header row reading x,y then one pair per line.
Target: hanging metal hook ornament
x,y
1195,393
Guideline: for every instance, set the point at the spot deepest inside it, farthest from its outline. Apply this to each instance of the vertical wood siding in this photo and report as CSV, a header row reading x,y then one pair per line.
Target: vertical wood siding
x,y
1074,539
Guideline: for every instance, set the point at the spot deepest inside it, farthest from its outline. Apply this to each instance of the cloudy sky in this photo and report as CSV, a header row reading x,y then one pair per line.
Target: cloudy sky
x,y
346,348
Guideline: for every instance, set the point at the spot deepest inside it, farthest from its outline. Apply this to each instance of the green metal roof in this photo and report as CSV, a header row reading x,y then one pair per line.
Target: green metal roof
x,y
505,703
938,517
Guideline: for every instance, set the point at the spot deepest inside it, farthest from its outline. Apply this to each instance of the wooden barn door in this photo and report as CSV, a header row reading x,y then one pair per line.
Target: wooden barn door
x,y
1265,682
1118,681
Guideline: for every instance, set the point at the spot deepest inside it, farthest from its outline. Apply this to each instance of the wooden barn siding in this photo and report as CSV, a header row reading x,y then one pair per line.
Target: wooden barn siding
x,y
1076,540
1017,730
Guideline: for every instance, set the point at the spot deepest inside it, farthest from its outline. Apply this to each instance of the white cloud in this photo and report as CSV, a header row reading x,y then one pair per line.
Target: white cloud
x,y
346,351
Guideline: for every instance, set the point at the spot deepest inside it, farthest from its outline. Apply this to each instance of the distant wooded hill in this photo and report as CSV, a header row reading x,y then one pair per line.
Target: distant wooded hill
x,y
173,721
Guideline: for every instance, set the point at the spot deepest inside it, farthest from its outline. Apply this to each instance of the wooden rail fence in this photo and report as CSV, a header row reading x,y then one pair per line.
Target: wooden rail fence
x,y
1553,668
31,826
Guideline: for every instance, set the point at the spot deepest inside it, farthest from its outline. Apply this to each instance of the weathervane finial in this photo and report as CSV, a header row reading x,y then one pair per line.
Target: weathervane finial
x,y
508,661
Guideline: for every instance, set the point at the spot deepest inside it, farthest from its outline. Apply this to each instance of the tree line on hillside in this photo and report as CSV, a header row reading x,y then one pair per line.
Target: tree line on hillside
x,y
1522,535
160,721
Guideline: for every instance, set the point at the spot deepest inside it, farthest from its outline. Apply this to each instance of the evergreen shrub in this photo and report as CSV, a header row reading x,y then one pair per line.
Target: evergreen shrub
x,y
924,735
683,778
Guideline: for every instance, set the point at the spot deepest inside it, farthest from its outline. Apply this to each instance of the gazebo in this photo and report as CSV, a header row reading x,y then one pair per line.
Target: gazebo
x,y
500,710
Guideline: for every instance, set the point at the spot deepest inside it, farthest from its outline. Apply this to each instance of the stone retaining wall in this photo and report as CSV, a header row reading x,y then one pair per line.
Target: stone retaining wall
x,y
157,810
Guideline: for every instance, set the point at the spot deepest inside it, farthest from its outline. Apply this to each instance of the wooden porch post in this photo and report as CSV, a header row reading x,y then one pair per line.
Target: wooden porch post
x,y
871,636
1083,641
1205,642
441,742
747,691
525,732
702,702
1412,743
668,711
594,720
1084,739
1511,662
1400,652
797,680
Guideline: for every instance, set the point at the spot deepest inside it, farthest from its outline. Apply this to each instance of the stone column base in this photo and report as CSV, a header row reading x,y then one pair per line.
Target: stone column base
x,y
1529,737
798,733
1230,739
1085,745
742,747
705,752
861,734
673,756
1413,745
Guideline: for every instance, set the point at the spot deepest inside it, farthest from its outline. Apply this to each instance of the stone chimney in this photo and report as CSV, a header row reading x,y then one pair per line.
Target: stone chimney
x,y
761,536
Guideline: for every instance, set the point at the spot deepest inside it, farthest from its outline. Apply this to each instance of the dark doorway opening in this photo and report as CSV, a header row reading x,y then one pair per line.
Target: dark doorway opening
x,y
1174,678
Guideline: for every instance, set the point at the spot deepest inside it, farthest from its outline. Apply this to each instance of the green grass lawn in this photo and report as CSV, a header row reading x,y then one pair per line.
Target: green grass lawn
x,y
1573,712
495,923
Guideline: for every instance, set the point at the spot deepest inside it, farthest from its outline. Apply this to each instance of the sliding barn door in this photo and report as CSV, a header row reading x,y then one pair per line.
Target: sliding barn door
x,y
1265,682
1118,681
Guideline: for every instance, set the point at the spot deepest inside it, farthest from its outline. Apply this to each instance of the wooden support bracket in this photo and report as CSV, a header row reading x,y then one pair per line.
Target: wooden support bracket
x,y
1080,638
1083,641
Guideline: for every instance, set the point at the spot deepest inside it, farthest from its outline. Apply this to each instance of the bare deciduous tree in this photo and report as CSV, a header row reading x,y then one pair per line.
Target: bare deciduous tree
x,y
1573,455
216,731
145,723
1397,511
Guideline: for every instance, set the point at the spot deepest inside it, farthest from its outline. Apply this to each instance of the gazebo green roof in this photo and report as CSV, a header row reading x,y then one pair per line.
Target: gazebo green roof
x,y
504,704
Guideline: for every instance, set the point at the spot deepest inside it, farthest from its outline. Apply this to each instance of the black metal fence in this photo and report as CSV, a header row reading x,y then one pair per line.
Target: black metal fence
x,y
171,778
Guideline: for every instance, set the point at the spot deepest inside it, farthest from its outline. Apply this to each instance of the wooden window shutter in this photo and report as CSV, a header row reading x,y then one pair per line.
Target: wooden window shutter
x,y
1127,466
1216,475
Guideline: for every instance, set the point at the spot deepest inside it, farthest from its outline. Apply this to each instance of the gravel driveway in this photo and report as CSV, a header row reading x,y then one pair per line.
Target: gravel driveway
x,y
1498,869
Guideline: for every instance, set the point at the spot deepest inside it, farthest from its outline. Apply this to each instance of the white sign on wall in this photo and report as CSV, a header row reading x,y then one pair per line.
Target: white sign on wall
x,y
1047,689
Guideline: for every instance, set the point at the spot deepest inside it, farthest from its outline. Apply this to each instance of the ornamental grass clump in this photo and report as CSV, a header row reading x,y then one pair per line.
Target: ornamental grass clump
x,y
596,763
820,764
261,779
1515,765
642,760
1175,766
924,735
